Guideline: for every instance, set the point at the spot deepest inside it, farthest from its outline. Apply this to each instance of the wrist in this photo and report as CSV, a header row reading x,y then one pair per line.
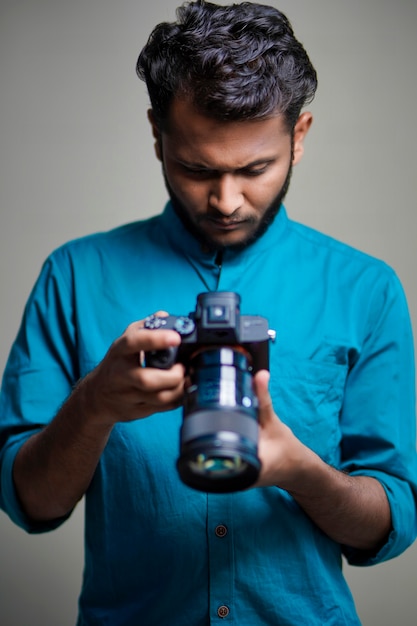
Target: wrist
x,y
305,470
88,404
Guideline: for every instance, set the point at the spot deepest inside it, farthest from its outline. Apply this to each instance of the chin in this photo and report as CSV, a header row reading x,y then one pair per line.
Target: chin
x,y
233,241
237,240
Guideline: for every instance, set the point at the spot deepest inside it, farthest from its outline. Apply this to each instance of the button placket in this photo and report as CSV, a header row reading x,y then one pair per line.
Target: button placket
x,y
221,561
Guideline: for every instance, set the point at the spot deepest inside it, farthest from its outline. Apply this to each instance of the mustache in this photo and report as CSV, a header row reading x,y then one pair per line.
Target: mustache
x,y
219,218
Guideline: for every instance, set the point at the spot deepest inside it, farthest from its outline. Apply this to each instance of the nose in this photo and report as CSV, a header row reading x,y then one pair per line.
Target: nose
x,y
225,194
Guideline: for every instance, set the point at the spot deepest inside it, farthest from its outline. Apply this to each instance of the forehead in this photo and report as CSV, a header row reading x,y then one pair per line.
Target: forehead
x,y
194,137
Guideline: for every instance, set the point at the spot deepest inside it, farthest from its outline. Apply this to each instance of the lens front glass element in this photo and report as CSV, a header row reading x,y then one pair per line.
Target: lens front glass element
x,y
217,467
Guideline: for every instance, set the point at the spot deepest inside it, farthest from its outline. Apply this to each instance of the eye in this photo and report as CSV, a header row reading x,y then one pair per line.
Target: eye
x,y
256,169
197,172
256,172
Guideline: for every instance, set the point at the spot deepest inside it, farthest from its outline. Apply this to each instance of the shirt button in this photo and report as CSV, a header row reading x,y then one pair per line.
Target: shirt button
x,y
221,530
223,611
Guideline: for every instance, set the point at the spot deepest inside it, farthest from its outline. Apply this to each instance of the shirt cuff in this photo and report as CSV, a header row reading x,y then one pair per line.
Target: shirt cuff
x,y
10,499
403,521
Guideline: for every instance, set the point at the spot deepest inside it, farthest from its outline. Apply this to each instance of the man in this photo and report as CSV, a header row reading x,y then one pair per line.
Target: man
x,y
81,414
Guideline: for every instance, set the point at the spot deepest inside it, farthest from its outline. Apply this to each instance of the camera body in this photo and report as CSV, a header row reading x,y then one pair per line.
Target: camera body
x,y
216,321
221,351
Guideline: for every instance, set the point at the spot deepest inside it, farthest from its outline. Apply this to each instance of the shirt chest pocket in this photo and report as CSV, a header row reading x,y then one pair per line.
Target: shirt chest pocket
x,y
307,396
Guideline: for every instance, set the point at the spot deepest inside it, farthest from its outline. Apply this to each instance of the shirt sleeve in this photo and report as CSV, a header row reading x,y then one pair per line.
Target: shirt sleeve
x,y
378,417
40,373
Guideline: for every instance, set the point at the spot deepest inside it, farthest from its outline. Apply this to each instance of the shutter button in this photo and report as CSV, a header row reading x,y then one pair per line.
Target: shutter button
x,y
221,530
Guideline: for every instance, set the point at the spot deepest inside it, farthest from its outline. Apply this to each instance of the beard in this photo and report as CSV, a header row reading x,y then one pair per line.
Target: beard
x,y
211,245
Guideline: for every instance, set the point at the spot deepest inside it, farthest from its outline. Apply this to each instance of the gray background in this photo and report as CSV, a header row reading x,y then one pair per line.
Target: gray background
x,y
76,157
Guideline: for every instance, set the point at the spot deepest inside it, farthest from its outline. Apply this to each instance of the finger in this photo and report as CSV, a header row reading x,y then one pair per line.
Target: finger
x,y
153,380
261,388
164,400
136,339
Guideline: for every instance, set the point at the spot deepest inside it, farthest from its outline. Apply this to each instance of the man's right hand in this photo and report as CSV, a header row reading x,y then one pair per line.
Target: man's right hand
x,y
54,467
121,389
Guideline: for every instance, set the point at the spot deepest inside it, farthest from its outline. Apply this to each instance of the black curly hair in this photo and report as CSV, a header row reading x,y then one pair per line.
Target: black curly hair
x,y
235,62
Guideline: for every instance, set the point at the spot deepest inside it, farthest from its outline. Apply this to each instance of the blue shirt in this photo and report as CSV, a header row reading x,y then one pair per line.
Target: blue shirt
x,y
342,377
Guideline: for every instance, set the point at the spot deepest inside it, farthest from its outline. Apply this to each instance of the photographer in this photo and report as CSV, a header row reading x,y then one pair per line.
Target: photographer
x,y
82,414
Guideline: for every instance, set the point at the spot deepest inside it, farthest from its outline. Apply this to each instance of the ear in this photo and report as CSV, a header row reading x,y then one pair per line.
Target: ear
x,y
301,129
157,135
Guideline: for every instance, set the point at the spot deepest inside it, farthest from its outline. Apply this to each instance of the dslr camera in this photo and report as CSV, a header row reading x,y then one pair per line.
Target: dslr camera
x,y
221,351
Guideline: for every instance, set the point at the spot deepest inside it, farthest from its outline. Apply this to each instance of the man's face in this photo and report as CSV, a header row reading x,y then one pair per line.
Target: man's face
x,y
226,179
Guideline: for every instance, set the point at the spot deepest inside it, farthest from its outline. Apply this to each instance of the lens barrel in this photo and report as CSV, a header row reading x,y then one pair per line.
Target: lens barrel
x,y
219,434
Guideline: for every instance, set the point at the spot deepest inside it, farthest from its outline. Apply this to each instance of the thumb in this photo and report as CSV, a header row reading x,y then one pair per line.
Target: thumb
x,y
261,388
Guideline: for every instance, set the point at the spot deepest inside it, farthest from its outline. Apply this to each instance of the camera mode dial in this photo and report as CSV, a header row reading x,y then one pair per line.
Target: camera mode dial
x,y
184,325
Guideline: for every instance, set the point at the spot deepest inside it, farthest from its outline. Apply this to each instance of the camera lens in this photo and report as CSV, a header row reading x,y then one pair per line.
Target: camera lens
x,y
219,434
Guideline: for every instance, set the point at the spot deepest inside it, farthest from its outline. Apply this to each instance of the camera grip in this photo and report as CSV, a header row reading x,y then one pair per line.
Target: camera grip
x,y
161,359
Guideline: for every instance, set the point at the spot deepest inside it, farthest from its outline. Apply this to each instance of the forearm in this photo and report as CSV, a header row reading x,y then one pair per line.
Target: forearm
x,y
352,510
54,468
